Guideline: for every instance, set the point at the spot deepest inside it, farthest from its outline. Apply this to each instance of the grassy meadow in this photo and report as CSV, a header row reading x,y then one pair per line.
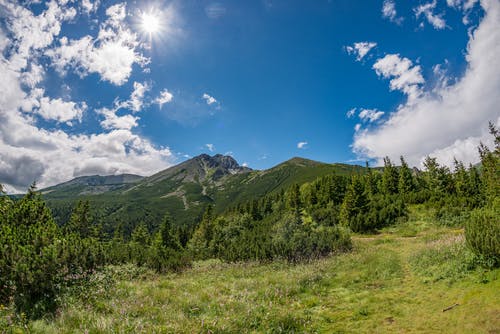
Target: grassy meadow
x,y
401,280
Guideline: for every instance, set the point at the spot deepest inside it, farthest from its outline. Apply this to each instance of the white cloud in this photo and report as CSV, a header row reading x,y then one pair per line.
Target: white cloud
x,y
34,76
465,6
245,164
451,120
370,115
4,41
389,12
31,33
427,10
360,49
165,97
462,4
351,113
89,6
111,54
209,99
59,110
29,152
134,103
302,145
113,121
136,100
117,13
210,147
405,76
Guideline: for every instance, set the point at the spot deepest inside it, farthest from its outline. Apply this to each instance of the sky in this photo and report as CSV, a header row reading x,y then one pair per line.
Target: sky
x,y
110,87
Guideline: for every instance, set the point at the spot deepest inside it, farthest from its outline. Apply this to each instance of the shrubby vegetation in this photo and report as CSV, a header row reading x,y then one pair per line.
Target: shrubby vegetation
x,y
39,259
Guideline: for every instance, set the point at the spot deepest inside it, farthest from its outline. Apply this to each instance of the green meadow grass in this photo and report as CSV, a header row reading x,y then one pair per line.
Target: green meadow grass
x,y
398,281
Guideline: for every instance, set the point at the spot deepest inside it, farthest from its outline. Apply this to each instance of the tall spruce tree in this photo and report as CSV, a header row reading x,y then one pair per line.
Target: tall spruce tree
x,y
80,221
390,178
169,238
294,199
355,201
406,182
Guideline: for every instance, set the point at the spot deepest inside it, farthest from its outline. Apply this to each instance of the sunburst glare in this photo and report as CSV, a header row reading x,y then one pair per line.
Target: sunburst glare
x,y
150,23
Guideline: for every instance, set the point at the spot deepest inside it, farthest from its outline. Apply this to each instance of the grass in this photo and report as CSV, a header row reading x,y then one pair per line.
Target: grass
x,y
393,282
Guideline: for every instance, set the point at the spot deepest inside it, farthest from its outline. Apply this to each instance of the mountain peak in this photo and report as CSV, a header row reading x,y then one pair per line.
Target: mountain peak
x,y
301,161
203,167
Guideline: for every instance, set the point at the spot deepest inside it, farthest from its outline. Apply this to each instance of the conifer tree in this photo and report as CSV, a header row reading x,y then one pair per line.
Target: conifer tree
x,y
80,221
406,183
169,238
294,201
390,178
490,162
140,234
355,202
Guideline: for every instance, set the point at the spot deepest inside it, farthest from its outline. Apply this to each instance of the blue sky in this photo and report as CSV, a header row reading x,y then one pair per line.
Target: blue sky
x,y
107,87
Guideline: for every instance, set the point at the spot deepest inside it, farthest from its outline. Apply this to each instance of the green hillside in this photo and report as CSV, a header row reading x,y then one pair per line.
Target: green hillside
x,y
183,190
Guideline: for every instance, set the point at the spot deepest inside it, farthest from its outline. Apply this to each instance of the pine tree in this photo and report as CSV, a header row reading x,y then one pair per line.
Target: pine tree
x,y
355,202
140,234
406,183
461,179
490,162
390,178
294,201
169,239
80,221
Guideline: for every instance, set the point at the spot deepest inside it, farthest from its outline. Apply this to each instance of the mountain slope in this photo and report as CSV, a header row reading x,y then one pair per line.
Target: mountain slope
x,y
91,185
183,190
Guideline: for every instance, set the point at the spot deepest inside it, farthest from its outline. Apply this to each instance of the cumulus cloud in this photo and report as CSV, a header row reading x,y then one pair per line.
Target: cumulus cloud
x,y
302,145
136,100
360,49
405,76
351,113
113,121
165,97
370,115
89,6
209,99
30,32
28,151
389,12
111,54
451,120
59,110
465,6
20,171
427,11
33,76
134,103
210,147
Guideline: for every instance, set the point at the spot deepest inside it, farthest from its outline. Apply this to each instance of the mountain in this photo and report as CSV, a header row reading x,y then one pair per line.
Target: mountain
x,y
91,185
183,190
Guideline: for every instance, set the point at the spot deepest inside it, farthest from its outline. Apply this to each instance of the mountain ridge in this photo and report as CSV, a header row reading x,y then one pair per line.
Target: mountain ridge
x,y
184,190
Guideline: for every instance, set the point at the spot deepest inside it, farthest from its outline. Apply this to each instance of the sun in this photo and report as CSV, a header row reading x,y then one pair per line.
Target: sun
x,y
150,23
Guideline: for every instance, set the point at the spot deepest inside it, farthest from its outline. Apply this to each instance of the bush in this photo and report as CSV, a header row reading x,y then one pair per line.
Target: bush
x,y
381,211
482,233
162,258
452,215
294,239
36,260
